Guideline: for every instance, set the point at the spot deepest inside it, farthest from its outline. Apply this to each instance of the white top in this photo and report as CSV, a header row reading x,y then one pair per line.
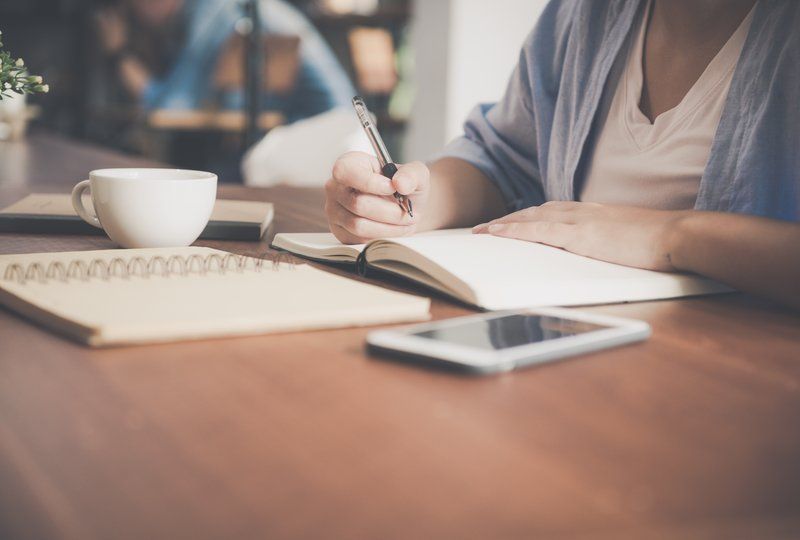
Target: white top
x,y
659,165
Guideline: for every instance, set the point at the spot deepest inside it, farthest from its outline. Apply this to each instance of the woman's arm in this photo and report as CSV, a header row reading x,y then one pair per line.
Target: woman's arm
x,y
134,75
460,196
752,254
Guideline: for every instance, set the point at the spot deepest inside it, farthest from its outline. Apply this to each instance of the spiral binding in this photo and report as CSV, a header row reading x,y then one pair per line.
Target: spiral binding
x,y
119,267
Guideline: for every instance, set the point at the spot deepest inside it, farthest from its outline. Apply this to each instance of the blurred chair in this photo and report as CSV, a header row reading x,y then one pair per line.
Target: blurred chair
x,y
303,153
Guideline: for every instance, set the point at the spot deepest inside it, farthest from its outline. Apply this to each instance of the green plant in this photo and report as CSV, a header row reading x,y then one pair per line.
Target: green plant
x,y
14,77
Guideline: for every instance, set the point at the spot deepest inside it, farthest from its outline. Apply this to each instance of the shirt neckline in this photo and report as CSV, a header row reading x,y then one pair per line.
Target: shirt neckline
x,y
642,132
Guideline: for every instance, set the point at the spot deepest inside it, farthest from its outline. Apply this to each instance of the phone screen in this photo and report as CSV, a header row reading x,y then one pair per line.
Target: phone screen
x,y
509,331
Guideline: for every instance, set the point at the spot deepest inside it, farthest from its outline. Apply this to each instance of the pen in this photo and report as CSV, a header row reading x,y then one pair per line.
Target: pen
x,y
388,168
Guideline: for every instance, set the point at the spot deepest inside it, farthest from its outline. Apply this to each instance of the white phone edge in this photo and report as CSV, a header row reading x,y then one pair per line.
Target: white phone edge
x,y
399,341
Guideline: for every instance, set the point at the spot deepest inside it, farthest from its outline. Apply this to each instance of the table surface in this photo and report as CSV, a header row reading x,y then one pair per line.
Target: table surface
x,y
693,434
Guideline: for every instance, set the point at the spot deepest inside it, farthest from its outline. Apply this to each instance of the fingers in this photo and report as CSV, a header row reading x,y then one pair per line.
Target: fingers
x,y
560,211
351,228
544,232
552,223
361,171
359,200
411,177
373,207
556,211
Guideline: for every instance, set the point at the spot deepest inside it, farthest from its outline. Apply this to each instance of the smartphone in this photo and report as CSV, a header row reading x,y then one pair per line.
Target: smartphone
x,y
506,340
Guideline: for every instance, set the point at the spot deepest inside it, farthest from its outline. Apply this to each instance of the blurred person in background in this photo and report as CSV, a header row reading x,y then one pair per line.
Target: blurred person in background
x,y
165,54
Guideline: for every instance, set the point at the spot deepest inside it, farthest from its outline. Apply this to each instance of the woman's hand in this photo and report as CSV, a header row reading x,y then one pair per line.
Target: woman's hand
x,y
360,203
631,236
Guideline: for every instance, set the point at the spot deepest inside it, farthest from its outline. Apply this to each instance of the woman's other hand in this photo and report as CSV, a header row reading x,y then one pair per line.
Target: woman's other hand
x,y
631,236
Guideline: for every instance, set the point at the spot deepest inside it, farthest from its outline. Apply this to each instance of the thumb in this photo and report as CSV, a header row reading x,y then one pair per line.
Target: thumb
x,y
411,177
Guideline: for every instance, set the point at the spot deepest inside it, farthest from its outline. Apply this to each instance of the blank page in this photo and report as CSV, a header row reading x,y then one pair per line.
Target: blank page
x,y
504,273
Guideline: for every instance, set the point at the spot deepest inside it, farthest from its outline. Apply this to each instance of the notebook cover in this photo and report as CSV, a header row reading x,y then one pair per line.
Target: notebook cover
x,y
62,223
133,296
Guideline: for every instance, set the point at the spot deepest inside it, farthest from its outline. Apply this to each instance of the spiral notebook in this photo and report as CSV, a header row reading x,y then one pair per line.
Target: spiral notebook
x,y
116,297
500,273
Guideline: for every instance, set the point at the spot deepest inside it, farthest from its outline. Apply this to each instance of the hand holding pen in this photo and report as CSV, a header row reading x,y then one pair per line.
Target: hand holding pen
x,y
388,168
364,203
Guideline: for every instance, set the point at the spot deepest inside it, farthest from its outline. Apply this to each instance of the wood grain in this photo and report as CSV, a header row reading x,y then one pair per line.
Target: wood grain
x,y
692,434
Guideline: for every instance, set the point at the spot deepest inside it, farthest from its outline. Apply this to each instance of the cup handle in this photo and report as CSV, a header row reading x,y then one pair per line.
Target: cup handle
x,y
77,204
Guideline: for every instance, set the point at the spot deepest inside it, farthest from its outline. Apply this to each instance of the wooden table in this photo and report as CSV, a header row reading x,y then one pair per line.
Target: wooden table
x,y
693,434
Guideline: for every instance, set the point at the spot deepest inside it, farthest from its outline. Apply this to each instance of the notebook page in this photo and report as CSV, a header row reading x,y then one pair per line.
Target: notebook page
x,y
504,273
317,246
158,308
326,246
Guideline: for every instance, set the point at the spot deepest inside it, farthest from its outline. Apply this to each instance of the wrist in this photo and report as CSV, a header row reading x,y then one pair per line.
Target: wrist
x,y
676,239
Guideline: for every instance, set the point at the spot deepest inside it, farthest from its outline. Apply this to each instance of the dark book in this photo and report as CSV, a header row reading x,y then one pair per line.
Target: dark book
x,y
52,213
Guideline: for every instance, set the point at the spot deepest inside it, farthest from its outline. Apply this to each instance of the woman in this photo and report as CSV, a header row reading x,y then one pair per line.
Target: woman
x,y
662,134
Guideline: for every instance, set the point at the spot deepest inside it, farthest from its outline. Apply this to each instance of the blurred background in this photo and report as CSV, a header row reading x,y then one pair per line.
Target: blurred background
x,y
259,91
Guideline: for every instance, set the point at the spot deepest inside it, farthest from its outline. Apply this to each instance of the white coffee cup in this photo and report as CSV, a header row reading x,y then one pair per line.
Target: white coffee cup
x,y
140,208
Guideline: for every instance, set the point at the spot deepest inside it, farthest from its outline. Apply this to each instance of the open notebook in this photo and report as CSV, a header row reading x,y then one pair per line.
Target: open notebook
x,y
114,297
501,273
